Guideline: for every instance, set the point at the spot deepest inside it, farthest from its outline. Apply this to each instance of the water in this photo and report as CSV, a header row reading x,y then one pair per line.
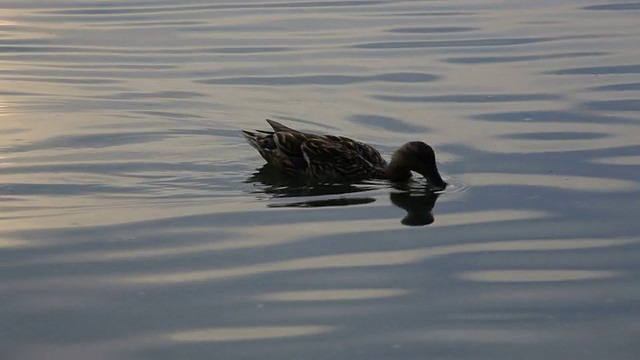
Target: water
x,y
137,224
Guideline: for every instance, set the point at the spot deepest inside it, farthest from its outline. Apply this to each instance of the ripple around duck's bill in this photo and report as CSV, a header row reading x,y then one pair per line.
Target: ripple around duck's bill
x,y
414,197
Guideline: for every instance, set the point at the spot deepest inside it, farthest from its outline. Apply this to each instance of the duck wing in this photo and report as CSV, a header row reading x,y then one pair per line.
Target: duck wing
x,y
322,156
290,143
290,139
329,160
366,151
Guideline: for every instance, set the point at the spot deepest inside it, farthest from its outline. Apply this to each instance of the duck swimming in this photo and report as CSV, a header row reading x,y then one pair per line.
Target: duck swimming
x,y
338,159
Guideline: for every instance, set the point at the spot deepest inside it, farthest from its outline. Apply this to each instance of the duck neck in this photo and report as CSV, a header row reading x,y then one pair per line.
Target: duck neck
x,y
435,179
397,170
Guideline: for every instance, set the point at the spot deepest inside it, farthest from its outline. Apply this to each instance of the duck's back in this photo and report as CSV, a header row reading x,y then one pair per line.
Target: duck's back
x,y
366,151
340,159
324,157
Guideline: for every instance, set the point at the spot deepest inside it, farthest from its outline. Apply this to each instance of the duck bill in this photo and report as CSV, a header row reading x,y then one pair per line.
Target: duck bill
x,y
434,179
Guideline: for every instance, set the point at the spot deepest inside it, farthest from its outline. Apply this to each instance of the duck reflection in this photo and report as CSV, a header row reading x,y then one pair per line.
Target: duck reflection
x,y
279,185
416,199
417,202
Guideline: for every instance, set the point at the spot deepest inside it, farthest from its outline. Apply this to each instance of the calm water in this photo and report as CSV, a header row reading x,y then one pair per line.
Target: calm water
x,y
137,224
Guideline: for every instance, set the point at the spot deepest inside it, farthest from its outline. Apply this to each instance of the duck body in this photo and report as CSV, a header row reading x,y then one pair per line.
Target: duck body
x,y
338,159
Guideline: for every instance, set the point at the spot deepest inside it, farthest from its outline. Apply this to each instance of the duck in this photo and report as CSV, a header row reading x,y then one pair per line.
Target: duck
x,y
339,159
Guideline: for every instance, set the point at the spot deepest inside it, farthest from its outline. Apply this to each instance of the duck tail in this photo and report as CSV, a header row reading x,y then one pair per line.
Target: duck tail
x,y
252,138
260,142
276,126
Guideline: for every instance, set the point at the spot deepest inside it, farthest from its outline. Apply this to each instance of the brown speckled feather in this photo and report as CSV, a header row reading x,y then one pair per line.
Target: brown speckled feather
x,y
321,157
290,143
329,161
366,151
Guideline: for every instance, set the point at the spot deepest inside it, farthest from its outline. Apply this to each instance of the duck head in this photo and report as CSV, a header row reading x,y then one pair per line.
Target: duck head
x,y
419,157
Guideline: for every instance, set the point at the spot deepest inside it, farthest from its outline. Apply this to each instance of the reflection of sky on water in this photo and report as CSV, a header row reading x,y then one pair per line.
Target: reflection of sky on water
x,y
134,226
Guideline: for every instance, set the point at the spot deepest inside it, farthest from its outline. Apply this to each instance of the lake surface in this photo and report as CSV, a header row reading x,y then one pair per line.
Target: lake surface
x,y
136,223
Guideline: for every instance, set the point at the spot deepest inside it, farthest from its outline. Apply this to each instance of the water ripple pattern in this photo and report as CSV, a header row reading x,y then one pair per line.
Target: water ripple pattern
x,y
138,224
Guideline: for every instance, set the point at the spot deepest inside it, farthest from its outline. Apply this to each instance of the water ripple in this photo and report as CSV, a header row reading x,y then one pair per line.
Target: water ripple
x,y
470,98
614,6
451,43
557,135
432,29
617,87
599,70
613,105
520,58
554,117
321,79
132,9
387,123
127,192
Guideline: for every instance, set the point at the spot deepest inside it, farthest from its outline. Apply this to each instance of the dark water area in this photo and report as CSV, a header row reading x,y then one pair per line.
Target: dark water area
x,y
136,222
